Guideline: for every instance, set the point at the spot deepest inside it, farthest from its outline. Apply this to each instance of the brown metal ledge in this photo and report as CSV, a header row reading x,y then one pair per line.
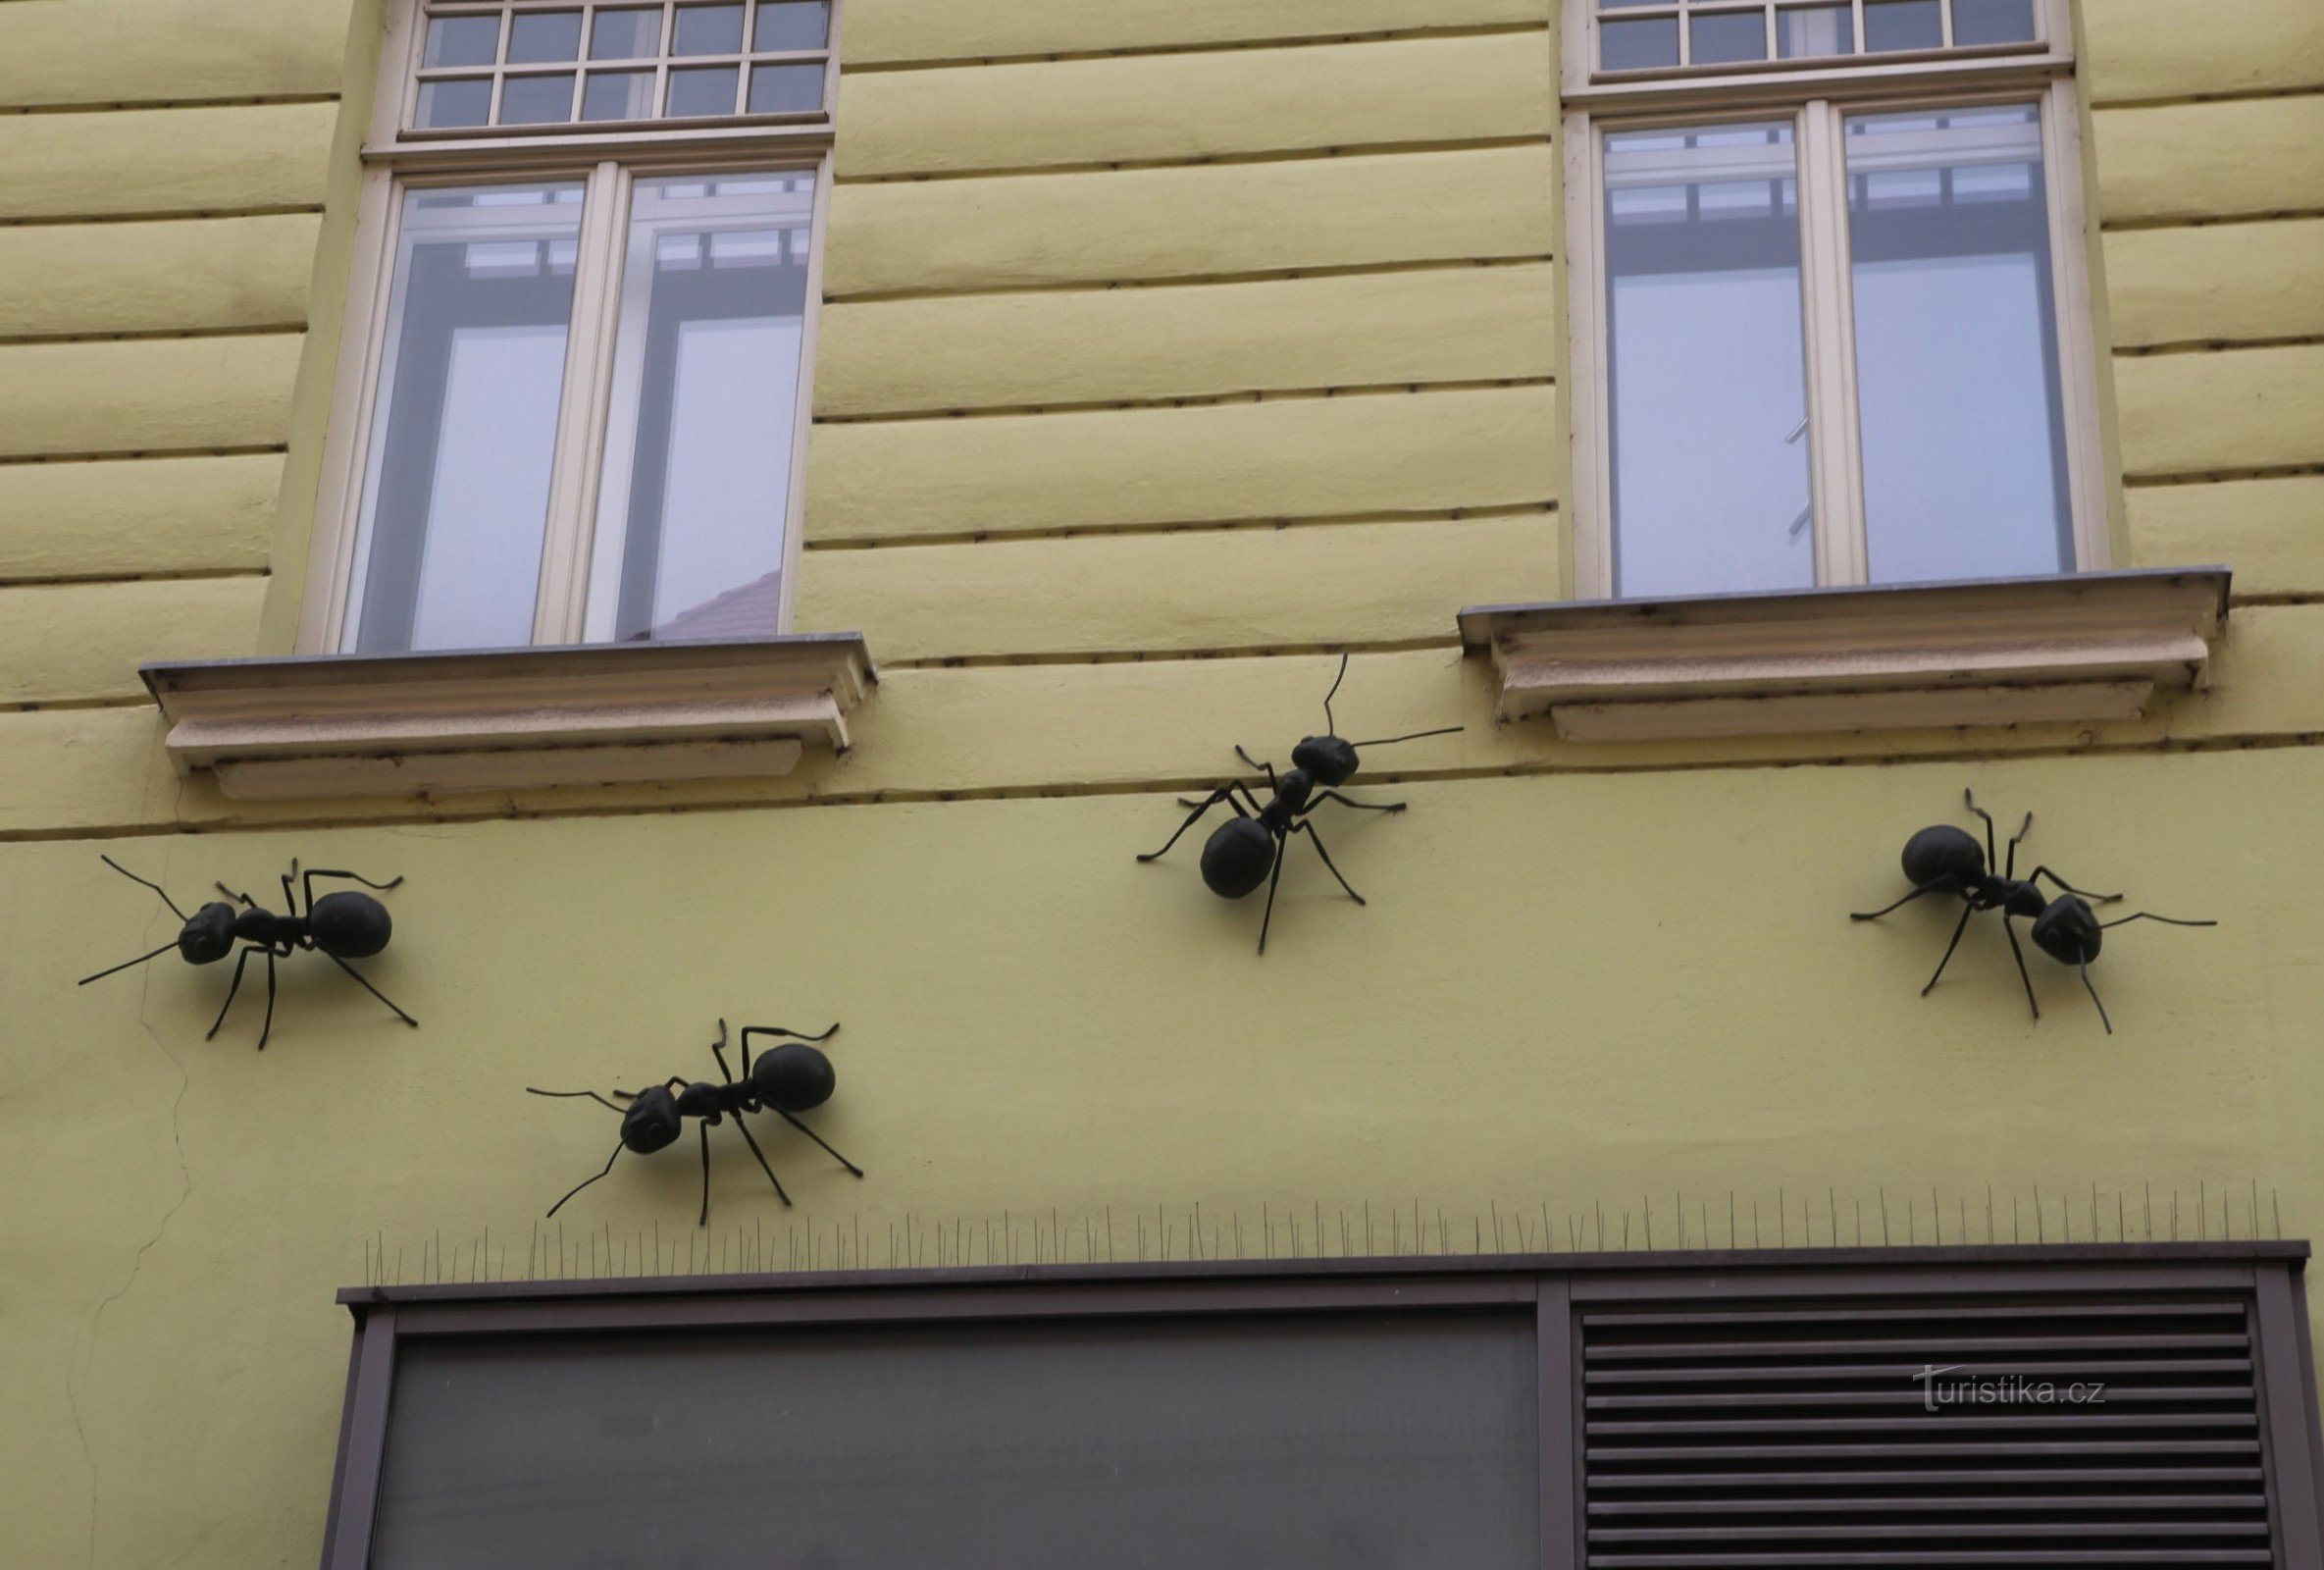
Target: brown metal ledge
x,y
499,719
2093,645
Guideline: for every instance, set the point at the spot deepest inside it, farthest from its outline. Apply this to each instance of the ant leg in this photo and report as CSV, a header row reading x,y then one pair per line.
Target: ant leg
x,y
750,1030
368,988
1991,856
818,1139
231,895
2020,956
2093,997
232,987
718,1051
126,963
706,1216
267,1029
353,878
1967,910
1268,768
148,882
1369,807
1273,878
1873,916
1309,829
290,900
2149,916
762,1165
576,1095
2042,872
2024,830
578,1188
1207,802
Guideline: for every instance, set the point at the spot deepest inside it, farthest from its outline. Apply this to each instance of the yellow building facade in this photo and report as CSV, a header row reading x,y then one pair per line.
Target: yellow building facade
x,y
1161,355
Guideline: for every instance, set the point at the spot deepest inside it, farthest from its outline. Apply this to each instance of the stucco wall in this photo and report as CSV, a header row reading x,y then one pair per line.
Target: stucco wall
x,y
1281,380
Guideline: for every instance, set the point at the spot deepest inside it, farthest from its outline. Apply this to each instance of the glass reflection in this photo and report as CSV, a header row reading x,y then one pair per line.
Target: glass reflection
x,y
455,495
695,494
1956,346
1707,368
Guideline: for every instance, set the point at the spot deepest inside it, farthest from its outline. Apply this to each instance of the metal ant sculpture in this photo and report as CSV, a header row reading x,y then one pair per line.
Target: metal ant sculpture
x,y
1944,860
341,926
794,1077
1240,855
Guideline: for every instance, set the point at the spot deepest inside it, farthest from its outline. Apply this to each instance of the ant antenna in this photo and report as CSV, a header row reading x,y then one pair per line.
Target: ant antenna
x,y
585,1182
2149,916
1332,726
2093,997
149,883
1389,741
126,963
592,1094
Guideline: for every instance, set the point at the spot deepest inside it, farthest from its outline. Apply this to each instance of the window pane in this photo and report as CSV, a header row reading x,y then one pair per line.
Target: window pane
x,y
536,100
618,96
456,500
1403,1441
545,35
461,101
703,92
709,31
1707,362
786,89
1637,45
461,41
626,34
1977,21
1815,30
1956,348
1722,37
1902,25
696,495
791,26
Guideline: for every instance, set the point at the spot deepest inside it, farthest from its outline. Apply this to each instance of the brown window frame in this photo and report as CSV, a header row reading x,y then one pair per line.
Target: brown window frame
x,y
1557,1286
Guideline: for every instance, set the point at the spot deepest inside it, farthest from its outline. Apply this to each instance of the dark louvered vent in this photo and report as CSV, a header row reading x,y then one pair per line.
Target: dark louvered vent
x,y
1796,1434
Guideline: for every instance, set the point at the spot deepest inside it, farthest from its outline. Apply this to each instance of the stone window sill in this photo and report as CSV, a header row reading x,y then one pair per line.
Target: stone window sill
x,y
2086,647
502,719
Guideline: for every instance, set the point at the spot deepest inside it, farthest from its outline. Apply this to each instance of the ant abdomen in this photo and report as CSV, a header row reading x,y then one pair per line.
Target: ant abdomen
x,y
1237,857
793,1078
354,926
1944,856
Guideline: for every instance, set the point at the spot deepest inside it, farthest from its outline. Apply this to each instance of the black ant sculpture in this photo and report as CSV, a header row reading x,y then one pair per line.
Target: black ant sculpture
x,y
1944,860
794,1077
340,926
1240,855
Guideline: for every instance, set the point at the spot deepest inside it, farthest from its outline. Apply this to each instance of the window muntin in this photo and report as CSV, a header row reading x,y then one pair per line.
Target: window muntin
x,y
1716,35
528,65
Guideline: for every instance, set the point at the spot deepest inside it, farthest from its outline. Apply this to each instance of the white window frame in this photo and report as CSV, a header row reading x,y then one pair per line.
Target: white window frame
x,y
1815,99
608,158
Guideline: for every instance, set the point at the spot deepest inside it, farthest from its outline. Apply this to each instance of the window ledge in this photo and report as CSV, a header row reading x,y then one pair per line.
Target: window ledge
x,y
2003,652
501,720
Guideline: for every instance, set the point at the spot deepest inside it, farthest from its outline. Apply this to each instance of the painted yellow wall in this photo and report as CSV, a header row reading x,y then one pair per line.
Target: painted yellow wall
x,y
1232,334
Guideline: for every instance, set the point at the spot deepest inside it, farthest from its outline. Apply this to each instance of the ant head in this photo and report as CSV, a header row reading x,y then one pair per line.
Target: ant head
x,y
2068,931
794,1077
351,925
208,935
1330,760
652,1122
1944,855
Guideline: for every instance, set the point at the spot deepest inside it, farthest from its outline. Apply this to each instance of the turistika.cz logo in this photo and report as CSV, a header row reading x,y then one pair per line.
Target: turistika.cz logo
x,y
2009,1389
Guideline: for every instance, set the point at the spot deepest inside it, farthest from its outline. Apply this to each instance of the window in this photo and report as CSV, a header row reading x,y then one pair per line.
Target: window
x,y
1829,318
573,401
2096,1403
